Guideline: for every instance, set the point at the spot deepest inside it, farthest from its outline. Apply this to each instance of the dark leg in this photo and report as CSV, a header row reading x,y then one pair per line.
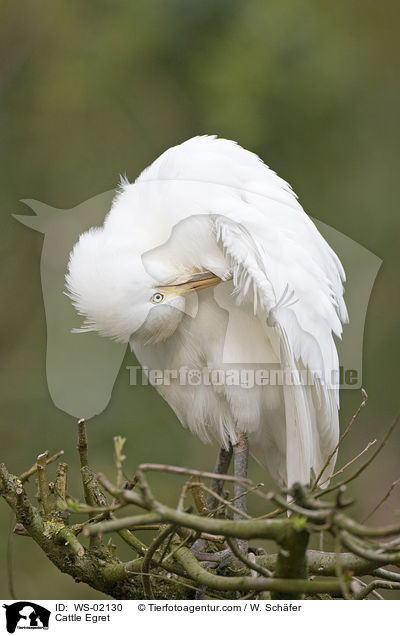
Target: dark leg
x,y
221,468
240,463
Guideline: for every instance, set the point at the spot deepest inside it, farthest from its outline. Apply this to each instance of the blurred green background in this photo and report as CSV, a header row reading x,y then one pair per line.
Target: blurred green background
x,y
93,90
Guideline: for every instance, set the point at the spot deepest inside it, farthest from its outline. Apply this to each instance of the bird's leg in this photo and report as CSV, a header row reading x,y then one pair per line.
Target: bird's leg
x,y
240,464
217,485
221,468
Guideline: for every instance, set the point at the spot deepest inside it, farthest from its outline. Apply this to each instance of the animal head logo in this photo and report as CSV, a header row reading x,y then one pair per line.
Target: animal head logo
x,y
82,368
26,615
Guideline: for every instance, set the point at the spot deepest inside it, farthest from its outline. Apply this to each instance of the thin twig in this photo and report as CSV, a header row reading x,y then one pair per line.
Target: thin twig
x,y
316,515
387,574
364,551
25,476
119,457
114,525
243,558
368,462
386,585
158,541
253,489
224,501
180,545
182,496
363,584
349,463
178,470
342,437
382,501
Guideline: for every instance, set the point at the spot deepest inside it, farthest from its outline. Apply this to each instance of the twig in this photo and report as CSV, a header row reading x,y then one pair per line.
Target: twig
x,y
114,525
25,476
368,462
355,546
382,501
82,443
172,553
365,531
68,536
44,491
342,437
72,506
178,470
198,496
77,528
224,501
349,463
253,489
93,497
133,542
250,564
60,485
91,490
316,515
119,457
385,585
363,584
339,569
158,541
182,496
387,574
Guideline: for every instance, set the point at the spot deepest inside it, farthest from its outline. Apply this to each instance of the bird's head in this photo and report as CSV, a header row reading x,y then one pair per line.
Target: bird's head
x,y
110,285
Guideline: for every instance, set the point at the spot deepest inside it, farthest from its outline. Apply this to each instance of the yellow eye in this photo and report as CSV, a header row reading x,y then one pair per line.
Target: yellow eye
x,y
157,298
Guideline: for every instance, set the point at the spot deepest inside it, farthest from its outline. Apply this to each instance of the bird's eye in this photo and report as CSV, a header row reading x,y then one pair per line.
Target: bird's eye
x,y
157,298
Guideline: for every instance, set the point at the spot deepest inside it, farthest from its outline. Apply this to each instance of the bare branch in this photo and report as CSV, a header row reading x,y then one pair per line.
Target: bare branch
x,y
44,491
178,470
119,457
158,541
377,584
82,443
342,437
369,461
382,501
252,565
32,470
341,470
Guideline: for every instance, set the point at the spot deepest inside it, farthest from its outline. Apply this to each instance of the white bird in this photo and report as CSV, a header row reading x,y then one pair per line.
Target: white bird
x,y
209,267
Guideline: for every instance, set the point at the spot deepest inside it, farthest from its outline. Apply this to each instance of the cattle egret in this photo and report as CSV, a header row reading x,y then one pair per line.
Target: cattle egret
x,y
208,266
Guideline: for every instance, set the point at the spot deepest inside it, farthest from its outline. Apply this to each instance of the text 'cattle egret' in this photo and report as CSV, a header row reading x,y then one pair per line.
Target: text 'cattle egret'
x,y
211,270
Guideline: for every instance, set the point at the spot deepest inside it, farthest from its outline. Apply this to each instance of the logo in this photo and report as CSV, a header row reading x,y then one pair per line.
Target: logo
x,y
26,615
81,370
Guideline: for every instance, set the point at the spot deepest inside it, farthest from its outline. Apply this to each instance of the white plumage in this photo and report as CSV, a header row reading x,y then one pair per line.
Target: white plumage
x,y
269,295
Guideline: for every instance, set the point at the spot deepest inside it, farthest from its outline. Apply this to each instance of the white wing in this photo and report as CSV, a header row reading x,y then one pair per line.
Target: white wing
x,y
303,314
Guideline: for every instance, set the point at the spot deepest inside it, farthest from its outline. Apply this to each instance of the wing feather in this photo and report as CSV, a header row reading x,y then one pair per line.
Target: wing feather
x,y
304,330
